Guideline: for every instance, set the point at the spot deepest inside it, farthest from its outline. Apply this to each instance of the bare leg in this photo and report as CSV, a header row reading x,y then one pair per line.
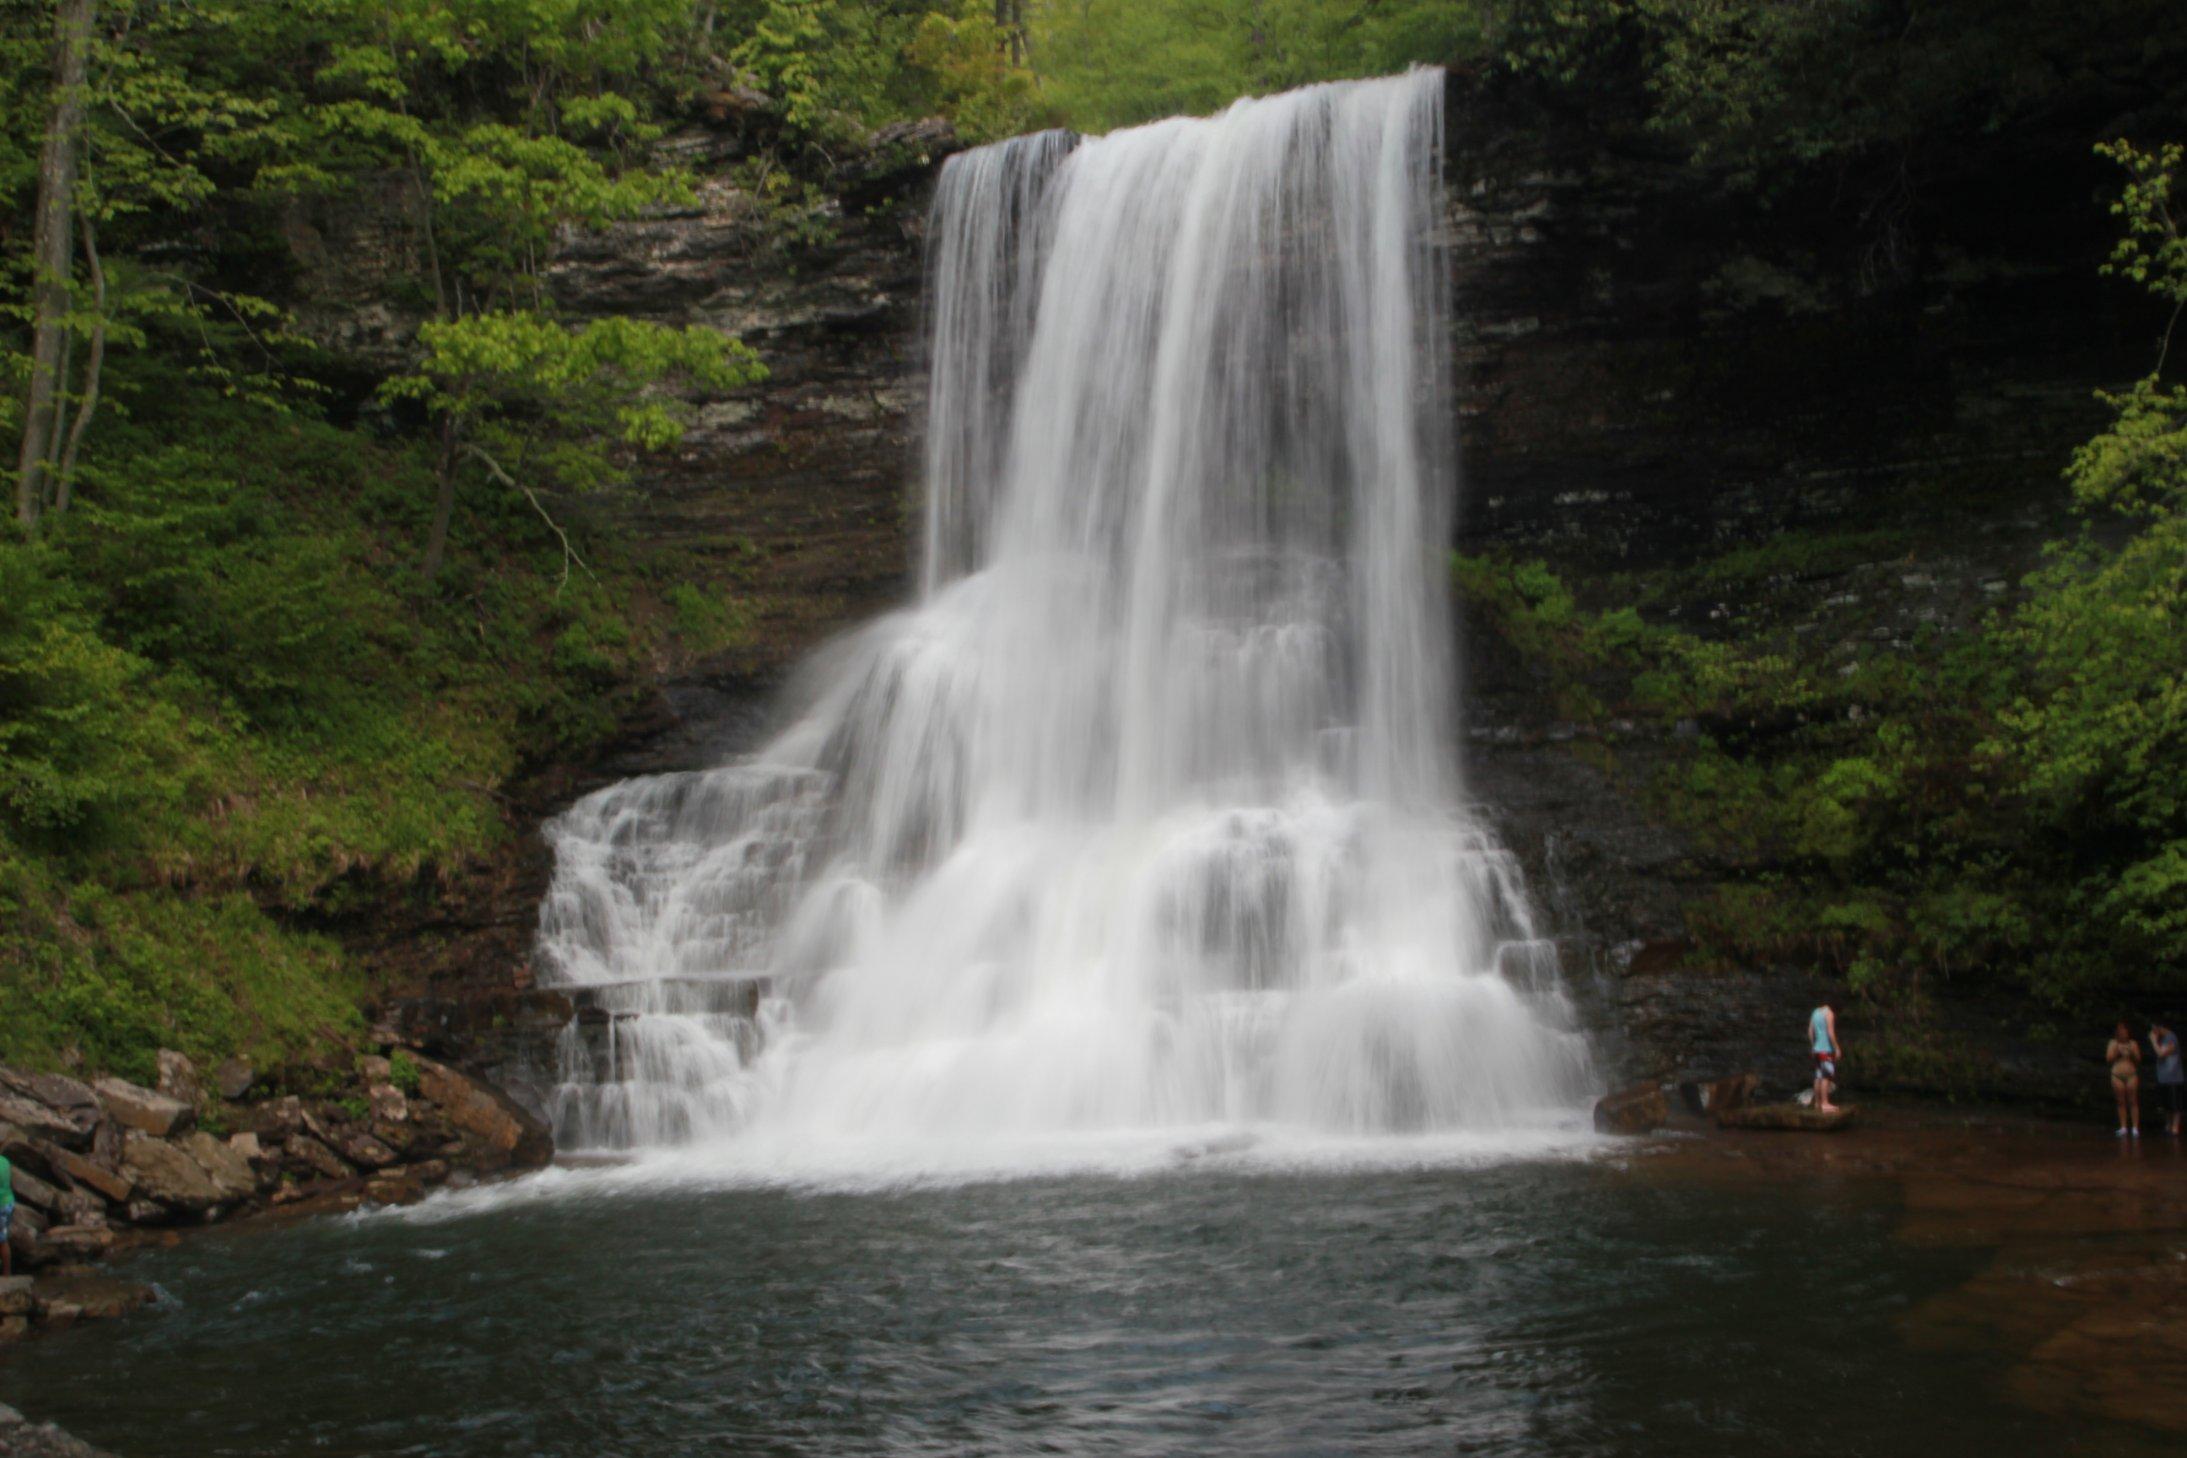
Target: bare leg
x,y
2133,1105
1823,1087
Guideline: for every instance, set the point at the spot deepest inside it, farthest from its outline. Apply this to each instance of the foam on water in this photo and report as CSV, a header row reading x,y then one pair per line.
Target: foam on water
x,y
1142,824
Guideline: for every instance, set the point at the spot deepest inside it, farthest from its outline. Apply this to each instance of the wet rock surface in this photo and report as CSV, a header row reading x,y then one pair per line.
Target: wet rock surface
x,y
2084,1293
1789,1118
22,1438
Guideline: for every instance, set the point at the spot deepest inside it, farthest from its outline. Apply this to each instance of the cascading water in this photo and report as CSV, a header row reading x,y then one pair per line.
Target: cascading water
x,y
1144,814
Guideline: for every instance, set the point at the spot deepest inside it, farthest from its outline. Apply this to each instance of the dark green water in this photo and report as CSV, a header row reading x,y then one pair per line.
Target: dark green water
x,y
1527,1308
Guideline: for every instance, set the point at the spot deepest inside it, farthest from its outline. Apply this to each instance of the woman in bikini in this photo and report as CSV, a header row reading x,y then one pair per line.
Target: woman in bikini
x,y
2124,1056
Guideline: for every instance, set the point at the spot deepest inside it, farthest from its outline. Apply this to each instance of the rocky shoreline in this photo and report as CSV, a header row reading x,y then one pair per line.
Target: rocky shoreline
x,y
102,1166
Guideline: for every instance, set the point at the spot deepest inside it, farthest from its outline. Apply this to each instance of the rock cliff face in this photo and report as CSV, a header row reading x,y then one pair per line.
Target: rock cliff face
x,y
793,491
1649,373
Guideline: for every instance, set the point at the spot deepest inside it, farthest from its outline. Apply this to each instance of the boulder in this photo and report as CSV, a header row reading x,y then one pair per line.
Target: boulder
x,y
1634,1110
395,1187
504,1133
362,1149
229,1168
143,1211
16,1296
178,1078
143,1110
87,1173
1794,1118
318,1158
248,1146
33,1119
168,1174
1735,1092
232,1080
275,1120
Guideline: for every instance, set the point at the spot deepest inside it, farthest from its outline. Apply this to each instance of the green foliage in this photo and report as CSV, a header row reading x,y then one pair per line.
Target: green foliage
x,y
785,51
402,1071
556,392
2009,805
966,63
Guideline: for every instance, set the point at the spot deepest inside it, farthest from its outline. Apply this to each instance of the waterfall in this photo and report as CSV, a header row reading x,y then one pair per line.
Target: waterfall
x,y
1145,814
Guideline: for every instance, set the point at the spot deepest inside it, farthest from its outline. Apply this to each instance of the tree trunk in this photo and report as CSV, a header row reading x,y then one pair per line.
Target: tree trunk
x,y
444,505
50,250
64,480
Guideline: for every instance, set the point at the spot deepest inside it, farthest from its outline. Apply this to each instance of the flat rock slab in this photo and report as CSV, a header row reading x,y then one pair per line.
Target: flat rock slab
x,y
1792,1118
96,1298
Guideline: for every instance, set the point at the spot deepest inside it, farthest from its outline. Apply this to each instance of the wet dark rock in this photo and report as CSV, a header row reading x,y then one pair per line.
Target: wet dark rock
x,y
1791,1118
504,1132
1636,1110
398,1186
1735,1092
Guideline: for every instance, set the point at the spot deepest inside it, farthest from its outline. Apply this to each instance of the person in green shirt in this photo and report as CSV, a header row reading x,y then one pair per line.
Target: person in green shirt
x,y
7,1215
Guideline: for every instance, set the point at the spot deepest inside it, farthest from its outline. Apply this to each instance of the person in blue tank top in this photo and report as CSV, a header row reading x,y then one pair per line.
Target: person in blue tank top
x,y
2171,1075
1822,1041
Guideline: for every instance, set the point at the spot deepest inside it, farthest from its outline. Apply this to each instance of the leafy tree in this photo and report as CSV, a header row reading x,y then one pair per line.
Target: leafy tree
x,y
2101,734
530,401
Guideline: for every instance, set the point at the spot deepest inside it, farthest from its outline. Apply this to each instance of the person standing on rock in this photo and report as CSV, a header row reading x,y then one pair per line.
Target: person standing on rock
x,y
1822,1040
2124,1056
7,1216
2171,1074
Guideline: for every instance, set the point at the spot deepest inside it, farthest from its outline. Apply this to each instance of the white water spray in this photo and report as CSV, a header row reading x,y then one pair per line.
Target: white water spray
x,y
1143,816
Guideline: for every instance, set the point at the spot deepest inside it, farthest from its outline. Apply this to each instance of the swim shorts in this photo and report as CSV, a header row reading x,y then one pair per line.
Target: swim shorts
x,y
1826,1066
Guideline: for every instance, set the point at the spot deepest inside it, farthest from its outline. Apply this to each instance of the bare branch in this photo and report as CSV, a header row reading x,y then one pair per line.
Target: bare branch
x,y
569,553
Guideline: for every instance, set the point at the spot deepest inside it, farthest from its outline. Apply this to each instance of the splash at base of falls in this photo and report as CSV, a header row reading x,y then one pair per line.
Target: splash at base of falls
x,y
1142,817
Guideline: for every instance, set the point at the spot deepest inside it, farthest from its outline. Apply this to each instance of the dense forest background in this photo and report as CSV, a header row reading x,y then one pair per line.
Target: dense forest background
x,y
277,637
